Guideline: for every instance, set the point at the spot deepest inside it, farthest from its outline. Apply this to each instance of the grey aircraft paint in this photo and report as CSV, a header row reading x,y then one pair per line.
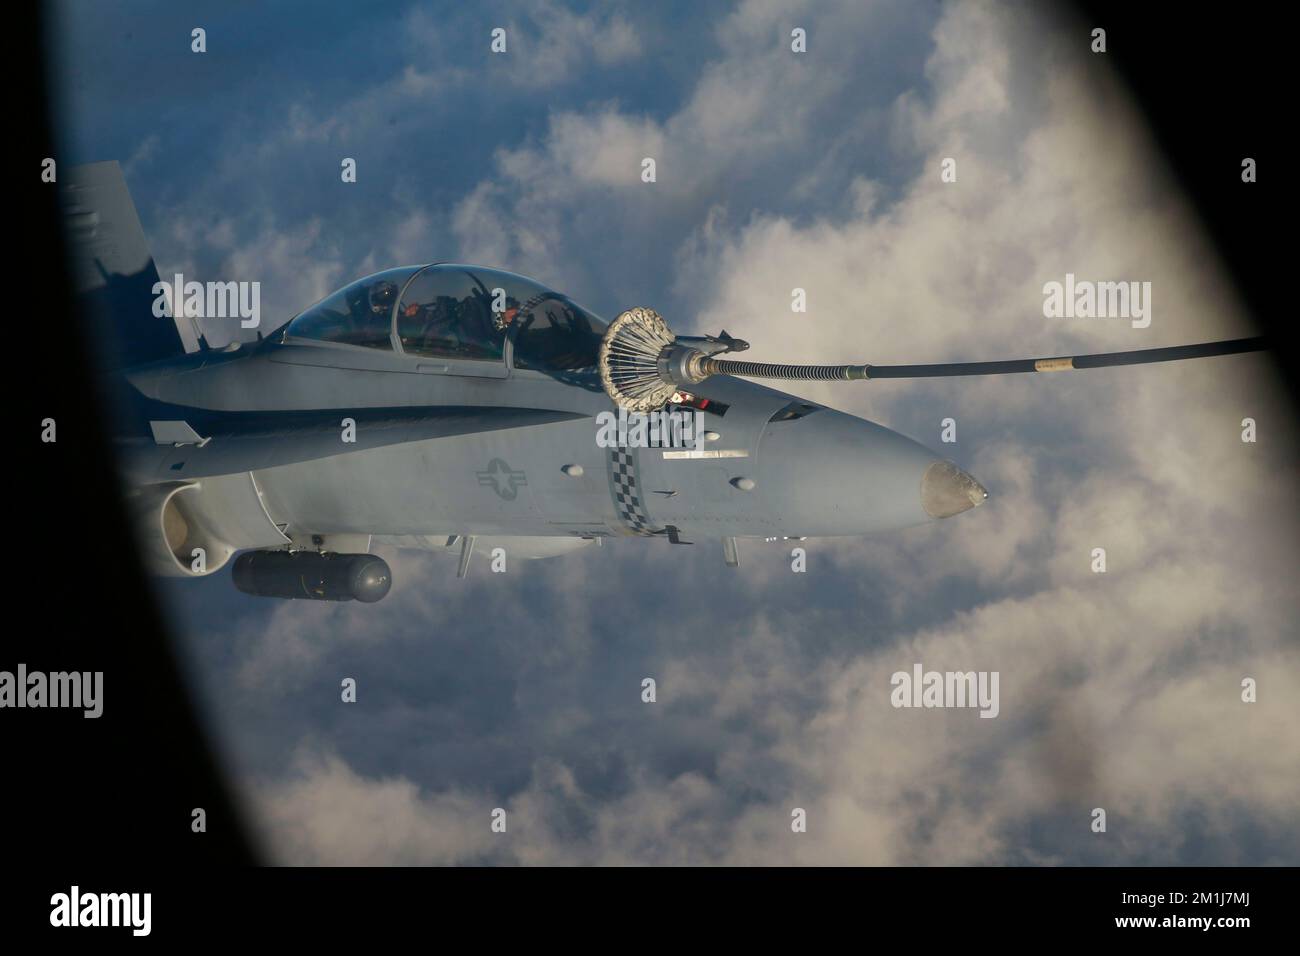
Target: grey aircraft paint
x,y
487,436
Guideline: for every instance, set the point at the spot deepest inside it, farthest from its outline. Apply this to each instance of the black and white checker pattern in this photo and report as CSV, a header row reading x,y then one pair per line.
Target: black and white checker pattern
x,y
627,492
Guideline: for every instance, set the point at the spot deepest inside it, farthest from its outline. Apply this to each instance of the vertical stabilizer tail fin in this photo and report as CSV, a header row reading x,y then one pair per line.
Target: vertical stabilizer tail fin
x,y
115,273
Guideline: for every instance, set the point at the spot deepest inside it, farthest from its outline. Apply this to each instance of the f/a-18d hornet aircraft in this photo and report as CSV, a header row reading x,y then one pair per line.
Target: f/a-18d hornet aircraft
x,y
449,406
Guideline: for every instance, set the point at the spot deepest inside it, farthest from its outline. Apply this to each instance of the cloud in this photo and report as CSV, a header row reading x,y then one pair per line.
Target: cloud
x,y
295,266
142,156
759,128
311,818
547,45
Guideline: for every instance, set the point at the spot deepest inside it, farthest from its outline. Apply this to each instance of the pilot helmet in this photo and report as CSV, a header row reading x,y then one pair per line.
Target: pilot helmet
x,y
382,297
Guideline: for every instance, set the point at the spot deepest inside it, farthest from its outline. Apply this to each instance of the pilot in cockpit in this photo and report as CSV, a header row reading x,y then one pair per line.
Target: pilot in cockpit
x,y
382,296
369,307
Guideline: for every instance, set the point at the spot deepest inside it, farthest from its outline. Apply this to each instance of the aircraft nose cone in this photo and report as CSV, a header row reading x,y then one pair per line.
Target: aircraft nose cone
x,y
946,490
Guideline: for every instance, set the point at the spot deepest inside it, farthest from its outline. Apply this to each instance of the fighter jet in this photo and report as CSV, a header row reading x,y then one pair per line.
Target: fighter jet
x,y
455,407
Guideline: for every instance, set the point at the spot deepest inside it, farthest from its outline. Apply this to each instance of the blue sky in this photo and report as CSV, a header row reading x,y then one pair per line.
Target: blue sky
x,y
774,171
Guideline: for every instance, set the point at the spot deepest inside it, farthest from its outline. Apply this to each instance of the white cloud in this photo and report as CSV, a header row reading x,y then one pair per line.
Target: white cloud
x,y
547,45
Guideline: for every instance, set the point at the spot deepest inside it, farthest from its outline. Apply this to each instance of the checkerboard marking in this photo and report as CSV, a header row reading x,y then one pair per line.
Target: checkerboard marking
x,y
627,494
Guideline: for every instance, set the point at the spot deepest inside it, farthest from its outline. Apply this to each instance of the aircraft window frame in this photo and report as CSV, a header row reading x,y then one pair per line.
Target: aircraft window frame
x,y
290,337
550,295
521,290
502,361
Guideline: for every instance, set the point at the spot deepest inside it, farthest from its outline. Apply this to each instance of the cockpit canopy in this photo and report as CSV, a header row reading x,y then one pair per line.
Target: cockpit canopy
x,y
457,312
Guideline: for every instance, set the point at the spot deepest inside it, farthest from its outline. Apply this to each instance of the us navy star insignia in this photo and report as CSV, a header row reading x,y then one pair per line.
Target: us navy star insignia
x,y
503,479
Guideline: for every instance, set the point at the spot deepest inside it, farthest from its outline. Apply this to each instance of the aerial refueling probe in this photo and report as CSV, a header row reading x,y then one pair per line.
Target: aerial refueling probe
x,y
643,364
